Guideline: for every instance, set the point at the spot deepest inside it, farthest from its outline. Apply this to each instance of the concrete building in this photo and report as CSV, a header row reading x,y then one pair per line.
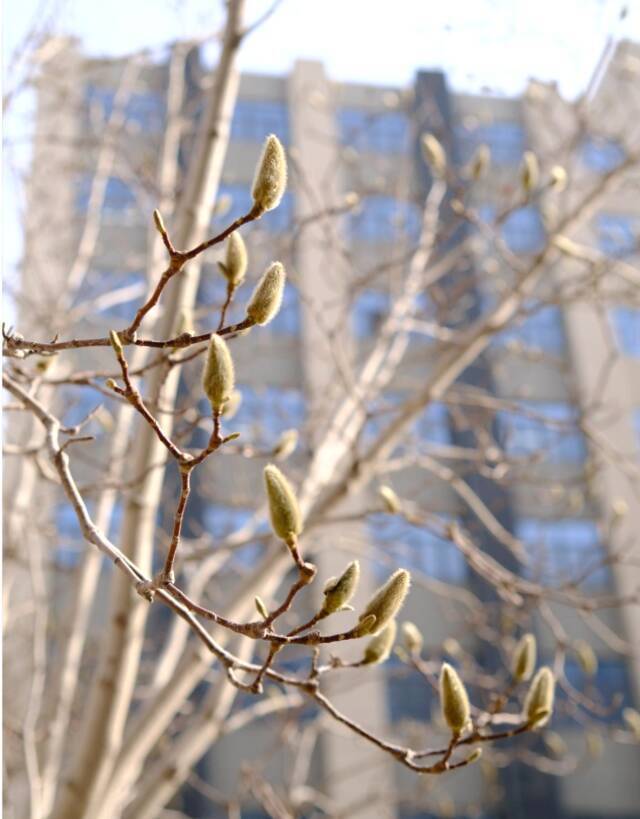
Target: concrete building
x,y
571,400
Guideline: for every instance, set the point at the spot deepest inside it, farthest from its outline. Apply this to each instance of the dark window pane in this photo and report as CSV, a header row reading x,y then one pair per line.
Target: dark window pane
x,y
381,132
506,141
253,120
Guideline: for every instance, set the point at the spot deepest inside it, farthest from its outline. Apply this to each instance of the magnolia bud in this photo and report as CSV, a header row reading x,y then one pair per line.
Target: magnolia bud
x,y
586,657
379,647
218,377
452,647
386,602
412,637
114,338
283,504
558,178
235,264
266,298
538,703
263,611
555,743
524,658
474,756
158,221
271,175
454,700
632,720
434,155
390,499
529,171
338,593
286,444
480,162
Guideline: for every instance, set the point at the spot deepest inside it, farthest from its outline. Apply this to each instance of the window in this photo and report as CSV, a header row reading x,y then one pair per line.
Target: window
x,y
380,132
564,550
253,120
506,141
369,311
419,548
221,521
145,109
601,155
543,329
409,695
550,430
433,424
119,198
274,221
267,413
383,219
617,235
626,325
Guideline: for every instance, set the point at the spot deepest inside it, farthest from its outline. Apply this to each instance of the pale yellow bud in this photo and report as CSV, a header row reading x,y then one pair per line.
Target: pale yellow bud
x,y
114,338
158,221
620,508
454,700
434,155
379,647
412,636
271,175
338,592
524,658
452,647
218,377
286,444
386,602
480,162
529,171
632,719
263,611
390,499
538,704
267,296
283,504
555,743
474,756
586,657
236,261
558,178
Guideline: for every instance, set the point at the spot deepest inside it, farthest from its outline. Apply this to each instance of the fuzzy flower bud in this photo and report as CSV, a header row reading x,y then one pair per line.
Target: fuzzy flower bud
x,y
474,756
538,703
524,658
434,155
283,504
232,405
412,636
262,610
271,175
386,602
218,377
454,699
286,444
480,162
632,720
558,178
114,338
158,221
586,657
379,647
266,298
390,499
235,264
529,171
338,592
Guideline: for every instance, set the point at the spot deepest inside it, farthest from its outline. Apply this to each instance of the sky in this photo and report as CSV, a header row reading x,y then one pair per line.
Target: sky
x,y
491,46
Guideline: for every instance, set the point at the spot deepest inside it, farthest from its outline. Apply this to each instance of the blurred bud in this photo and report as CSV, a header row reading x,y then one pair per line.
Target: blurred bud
x,y
632,720
529,172
452,647
236,261
390,499
538,704
474,756
267,296
232,404
454,700
480,161
386,602
434,155
412,637
263,611
44,363
271,175
558,178
351,199
218,377
338,592
555,743
283,504
222,205
158,221
110,384
586,657
114,338
286,444
620,508
524,658
379,647
185,322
